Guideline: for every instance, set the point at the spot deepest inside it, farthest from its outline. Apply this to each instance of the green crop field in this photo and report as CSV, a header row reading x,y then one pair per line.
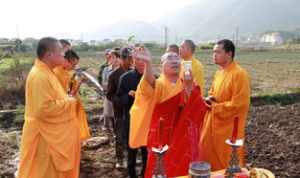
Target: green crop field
x,y
272,71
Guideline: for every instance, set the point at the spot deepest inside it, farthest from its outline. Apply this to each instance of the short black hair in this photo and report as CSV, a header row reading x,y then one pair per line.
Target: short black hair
x,y
64,42
191,44
125,53
116,52
71,55
228,46
44,45
175,47
138,45
107,51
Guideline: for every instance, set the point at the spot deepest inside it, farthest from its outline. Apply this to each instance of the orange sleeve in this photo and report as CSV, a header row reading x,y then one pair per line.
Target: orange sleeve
x,y
48,107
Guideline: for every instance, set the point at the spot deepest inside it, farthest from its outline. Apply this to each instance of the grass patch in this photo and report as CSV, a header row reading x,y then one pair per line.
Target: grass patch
x,y
276,98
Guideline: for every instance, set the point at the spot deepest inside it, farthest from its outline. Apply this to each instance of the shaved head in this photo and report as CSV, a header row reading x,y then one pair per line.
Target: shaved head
x,y
170,64
190,44
168,56
173,48
50,51
187,49
45,45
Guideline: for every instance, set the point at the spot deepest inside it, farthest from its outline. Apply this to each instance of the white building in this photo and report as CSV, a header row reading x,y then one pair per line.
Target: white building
x,y
272,38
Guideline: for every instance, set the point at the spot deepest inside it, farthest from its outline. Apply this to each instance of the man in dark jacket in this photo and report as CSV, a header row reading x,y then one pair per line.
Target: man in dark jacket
x,y
107,59
113,83
126,93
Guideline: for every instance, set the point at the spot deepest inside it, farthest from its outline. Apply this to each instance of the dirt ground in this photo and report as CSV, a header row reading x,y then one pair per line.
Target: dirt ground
x,y
272,142
273,139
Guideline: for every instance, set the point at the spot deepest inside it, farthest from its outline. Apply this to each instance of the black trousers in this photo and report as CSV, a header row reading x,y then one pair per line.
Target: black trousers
x,y
132,161
120,143
132,153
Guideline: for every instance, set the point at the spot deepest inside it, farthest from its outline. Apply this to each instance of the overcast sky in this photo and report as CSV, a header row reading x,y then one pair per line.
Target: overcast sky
x,y
70,18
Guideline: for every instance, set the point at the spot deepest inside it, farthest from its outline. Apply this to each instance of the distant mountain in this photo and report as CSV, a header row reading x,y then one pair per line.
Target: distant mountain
x,y
143,31
209,19
220,18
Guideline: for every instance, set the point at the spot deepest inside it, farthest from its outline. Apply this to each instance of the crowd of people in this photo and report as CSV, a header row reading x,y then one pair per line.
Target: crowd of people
x,y
143,110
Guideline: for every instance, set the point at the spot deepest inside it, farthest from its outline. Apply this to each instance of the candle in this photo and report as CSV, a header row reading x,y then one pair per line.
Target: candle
x,y
235,130
160,133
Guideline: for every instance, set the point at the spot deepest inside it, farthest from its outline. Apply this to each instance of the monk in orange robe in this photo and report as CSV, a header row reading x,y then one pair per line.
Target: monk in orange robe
x,y
50,145
173,48
163,113
229,98
186,51
64,74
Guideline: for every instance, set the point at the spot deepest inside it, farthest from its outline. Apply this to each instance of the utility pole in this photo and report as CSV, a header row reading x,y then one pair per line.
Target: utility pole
x,y
17,32
176,37
237,36
166,36
81,37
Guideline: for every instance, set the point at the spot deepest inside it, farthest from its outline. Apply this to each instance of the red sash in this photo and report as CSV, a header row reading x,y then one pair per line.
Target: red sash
x,y
180,124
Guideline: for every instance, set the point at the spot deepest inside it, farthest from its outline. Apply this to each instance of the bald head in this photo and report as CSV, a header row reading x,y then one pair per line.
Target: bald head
x,y
191,45
169,56
45,45
187,49
170,64
173,48
50,51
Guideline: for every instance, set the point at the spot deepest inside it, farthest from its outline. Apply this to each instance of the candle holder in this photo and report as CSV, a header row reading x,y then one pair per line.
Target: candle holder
x,y
234,160
159,170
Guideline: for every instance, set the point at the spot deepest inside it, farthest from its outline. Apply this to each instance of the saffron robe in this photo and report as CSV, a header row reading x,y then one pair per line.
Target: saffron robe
x,y
146,97
64,77
231,90
50,144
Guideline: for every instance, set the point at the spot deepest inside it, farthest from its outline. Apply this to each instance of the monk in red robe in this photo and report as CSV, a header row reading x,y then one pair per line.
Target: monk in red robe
x,y
167,111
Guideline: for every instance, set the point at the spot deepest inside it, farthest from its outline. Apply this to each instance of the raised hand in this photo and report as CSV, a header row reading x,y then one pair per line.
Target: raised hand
x,y
142,54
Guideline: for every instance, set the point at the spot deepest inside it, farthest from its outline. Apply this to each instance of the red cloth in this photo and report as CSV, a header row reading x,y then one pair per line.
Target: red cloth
x,y
180,126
